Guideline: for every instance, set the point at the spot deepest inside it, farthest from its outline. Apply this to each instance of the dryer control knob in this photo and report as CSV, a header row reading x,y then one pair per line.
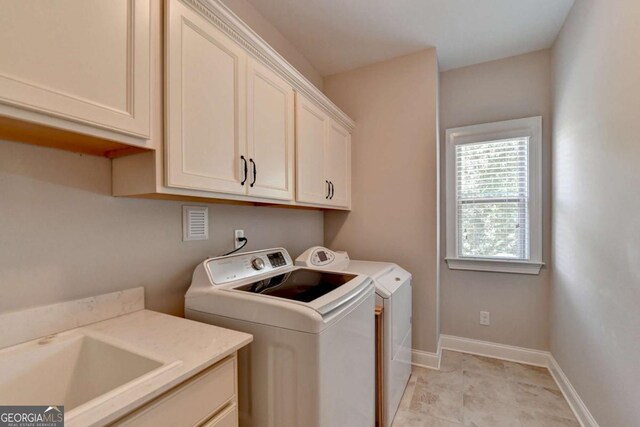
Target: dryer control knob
x,y
257,263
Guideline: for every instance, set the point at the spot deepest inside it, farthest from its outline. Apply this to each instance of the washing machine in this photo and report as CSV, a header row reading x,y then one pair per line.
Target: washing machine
x,y
393,293
312,360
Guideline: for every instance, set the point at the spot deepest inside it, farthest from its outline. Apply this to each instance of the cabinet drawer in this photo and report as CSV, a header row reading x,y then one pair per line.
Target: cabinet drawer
x,y
227,418
190,403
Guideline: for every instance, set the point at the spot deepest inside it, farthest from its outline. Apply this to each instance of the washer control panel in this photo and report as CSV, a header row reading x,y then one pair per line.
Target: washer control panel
x,y
276,259
245,265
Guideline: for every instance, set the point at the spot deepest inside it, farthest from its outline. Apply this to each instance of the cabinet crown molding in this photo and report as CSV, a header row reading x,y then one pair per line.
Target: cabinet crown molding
x,y
224,19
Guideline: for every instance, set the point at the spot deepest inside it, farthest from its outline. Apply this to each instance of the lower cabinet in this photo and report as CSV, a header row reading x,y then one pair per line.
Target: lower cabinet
x,y
208,399
227,418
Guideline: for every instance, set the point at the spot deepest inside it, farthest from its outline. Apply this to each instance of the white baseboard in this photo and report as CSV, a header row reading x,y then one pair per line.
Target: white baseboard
x,y
571,395
426,359
497,351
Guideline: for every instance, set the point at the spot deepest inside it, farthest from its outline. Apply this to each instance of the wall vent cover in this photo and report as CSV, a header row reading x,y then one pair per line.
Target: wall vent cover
x,y
195,223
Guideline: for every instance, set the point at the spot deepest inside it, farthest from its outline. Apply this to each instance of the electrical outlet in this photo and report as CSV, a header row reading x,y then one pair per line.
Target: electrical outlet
x,y
485,318
237,234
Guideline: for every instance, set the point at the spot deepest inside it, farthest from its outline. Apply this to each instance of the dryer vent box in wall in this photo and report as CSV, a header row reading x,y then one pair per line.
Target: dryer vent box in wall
x,y
195,223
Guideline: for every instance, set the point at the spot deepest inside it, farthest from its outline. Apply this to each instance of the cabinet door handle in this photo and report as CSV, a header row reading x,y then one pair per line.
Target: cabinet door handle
x,y
246,170
333,190
255,172
328,189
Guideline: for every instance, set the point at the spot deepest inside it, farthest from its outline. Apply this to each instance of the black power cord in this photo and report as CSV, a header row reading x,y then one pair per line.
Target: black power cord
x,y
244,241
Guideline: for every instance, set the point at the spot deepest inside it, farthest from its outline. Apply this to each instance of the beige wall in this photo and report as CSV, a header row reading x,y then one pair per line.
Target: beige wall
x,y
62,236
394,175
258,23
511,88
595,328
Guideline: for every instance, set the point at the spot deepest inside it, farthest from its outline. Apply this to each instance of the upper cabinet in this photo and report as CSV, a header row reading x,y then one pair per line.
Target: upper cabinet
x,y
311,125
230,118
338,164
187,100
323,157
205,104
229,123
78,65
270,138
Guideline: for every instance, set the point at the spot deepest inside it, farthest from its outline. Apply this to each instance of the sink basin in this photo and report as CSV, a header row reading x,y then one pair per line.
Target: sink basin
x,y
70,369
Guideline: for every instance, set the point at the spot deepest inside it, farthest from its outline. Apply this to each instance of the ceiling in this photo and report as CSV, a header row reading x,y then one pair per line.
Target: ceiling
x,y
339,35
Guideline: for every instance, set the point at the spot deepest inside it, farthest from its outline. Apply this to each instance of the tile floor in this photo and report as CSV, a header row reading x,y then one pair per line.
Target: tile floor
x,y
474,391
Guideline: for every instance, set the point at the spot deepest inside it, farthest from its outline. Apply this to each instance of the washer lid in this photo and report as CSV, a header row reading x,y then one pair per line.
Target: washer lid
x,y
320,291
229,301
301,285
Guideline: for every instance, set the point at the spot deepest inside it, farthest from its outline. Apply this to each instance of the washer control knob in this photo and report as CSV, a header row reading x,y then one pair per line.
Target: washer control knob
x,y
257,263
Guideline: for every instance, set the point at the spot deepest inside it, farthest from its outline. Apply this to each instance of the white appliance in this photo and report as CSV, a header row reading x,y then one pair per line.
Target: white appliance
x,y
312,361
393,293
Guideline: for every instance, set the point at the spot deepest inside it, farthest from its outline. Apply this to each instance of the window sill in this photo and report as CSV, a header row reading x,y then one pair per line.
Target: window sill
x,y
499,266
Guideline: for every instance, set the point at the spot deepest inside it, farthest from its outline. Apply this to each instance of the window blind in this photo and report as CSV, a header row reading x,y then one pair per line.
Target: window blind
x,y
492,199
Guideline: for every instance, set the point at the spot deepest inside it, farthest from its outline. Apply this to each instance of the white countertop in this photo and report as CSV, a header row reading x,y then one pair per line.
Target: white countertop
x,y
180,348
195,345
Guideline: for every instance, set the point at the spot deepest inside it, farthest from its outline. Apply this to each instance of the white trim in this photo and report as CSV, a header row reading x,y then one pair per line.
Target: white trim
x,y
497,351
224,19
426,359
528,127
501,266
571,395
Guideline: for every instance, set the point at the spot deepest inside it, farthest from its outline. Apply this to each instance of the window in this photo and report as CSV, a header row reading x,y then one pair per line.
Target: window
x,y
494,212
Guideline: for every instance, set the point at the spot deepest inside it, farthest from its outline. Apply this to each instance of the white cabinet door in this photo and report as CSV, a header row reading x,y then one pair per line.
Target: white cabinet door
x,y
338,164
85,61
323,152
311,128
270,117
193,402
205,104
